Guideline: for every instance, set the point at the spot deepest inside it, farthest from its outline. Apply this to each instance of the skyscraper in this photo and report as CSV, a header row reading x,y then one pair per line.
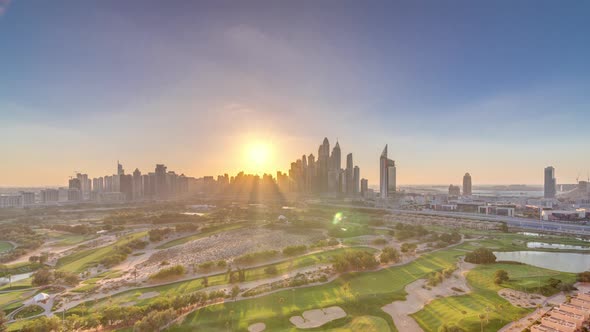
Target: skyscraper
x,y
120,170
336,160
334,170
550,182
323,160
467,184
387,175
349,174
364,187
356,180
137,184
161,189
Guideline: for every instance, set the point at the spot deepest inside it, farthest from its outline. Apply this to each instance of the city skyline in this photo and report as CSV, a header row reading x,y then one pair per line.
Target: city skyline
x,y
449,91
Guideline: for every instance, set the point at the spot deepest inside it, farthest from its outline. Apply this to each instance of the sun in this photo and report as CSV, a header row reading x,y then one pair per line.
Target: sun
x,y
258,156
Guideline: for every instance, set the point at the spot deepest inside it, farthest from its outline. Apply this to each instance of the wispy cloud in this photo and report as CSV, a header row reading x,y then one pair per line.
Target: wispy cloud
x,y
4,6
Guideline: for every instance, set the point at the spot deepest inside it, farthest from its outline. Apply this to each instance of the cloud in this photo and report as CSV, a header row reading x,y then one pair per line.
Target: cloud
x,y
4,6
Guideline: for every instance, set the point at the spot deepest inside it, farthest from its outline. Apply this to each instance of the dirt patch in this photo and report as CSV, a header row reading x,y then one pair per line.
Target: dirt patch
x,y
317,317
522,299
257,327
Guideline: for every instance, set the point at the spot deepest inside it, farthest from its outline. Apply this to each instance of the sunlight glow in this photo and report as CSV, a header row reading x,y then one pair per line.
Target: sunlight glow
x,y
258,156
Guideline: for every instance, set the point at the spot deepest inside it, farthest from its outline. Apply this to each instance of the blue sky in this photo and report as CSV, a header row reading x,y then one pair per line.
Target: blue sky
x,y
496,88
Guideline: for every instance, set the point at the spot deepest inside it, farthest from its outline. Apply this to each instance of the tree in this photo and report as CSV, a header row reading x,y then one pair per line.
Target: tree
x,y
389,254
42,277
501,276
480,256
235,291
3,321
481,319
271,270
205,282
408,247
584,276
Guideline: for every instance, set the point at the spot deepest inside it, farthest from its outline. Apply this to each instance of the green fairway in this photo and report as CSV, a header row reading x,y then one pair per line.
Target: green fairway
x,y
359,294
81,260
189,238
464,310
364,324
186,287
73,239
5,246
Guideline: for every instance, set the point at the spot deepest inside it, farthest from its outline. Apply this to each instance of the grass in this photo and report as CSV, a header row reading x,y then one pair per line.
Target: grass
x,y
5,246
29,311
73,239
211,231
464,310
363,323
359,294
189,286
80,261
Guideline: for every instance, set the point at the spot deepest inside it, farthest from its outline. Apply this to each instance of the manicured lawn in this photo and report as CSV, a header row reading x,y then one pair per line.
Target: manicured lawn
x,y
72,239
364,324
29,311
464,310
189,286
359,294
81,260
5,246
189,238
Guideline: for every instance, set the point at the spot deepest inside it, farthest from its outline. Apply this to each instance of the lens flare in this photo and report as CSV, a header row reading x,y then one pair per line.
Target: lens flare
x,y
337,218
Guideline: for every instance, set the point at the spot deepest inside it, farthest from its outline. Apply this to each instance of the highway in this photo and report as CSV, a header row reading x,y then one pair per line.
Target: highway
x,y
529,224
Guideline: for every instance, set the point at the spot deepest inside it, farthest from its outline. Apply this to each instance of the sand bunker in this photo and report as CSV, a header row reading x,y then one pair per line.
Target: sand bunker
x,y
521,299
258,327
419,295
317,317
148,295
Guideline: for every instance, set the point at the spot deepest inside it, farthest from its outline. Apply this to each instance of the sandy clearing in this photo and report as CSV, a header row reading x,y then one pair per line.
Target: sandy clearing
x,y
419,296
522,299
257,327
317,317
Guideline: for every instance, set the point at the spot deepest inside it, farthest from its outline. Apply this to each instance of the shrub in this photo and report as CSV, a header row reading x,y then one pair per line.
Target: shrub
x,y
172,271
481,256
501,276
389,254
271,270
294,250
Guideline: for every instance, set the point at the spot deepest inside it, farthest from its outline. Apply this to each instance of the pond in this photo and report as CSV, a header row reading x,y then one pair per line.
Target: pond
x,y
544,245
15,278
559,261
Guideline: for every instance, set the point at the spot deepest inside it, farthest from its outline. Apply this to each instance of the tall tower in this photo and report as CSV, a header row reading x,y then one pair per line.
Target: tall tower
x,y
349,174
387,175
336,159
120,170
550,182
323,160
356,180
467,184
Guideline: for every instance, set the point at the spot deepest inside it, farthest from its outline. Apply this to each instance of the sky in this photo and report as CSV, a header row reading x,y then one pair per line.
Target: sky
x,y
499,89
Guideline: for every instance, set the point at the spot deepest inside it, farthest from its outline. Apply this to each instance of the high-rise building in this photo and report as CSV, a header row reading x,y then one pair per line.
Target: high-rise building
x,y
98,184
323,161
84,184
161,189
467,184
364,187
550,182
334,170
349,174
126,186
356,178
28,198
120,170
387,175
310,180
49,196
454,190
137,184
336,158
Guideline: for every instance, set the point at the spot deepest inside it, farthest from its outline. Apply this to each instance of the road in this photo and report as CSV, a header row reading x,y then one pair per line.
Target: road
x,y
530,224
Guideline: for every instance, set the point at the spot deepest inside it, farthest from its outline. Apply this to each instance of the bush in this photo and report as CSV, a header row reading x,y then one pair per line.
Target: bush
x,y
481,256
271,270
389,254
584,276
501,276
408,247
294,250
354,261
173,271
380,241
42,277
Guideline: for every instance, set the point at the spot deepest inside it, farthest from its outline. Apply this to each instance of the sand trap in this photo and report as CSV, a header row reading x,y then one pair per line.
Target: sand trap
x,y
317,317
522,299
419,296
148,295
258,327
